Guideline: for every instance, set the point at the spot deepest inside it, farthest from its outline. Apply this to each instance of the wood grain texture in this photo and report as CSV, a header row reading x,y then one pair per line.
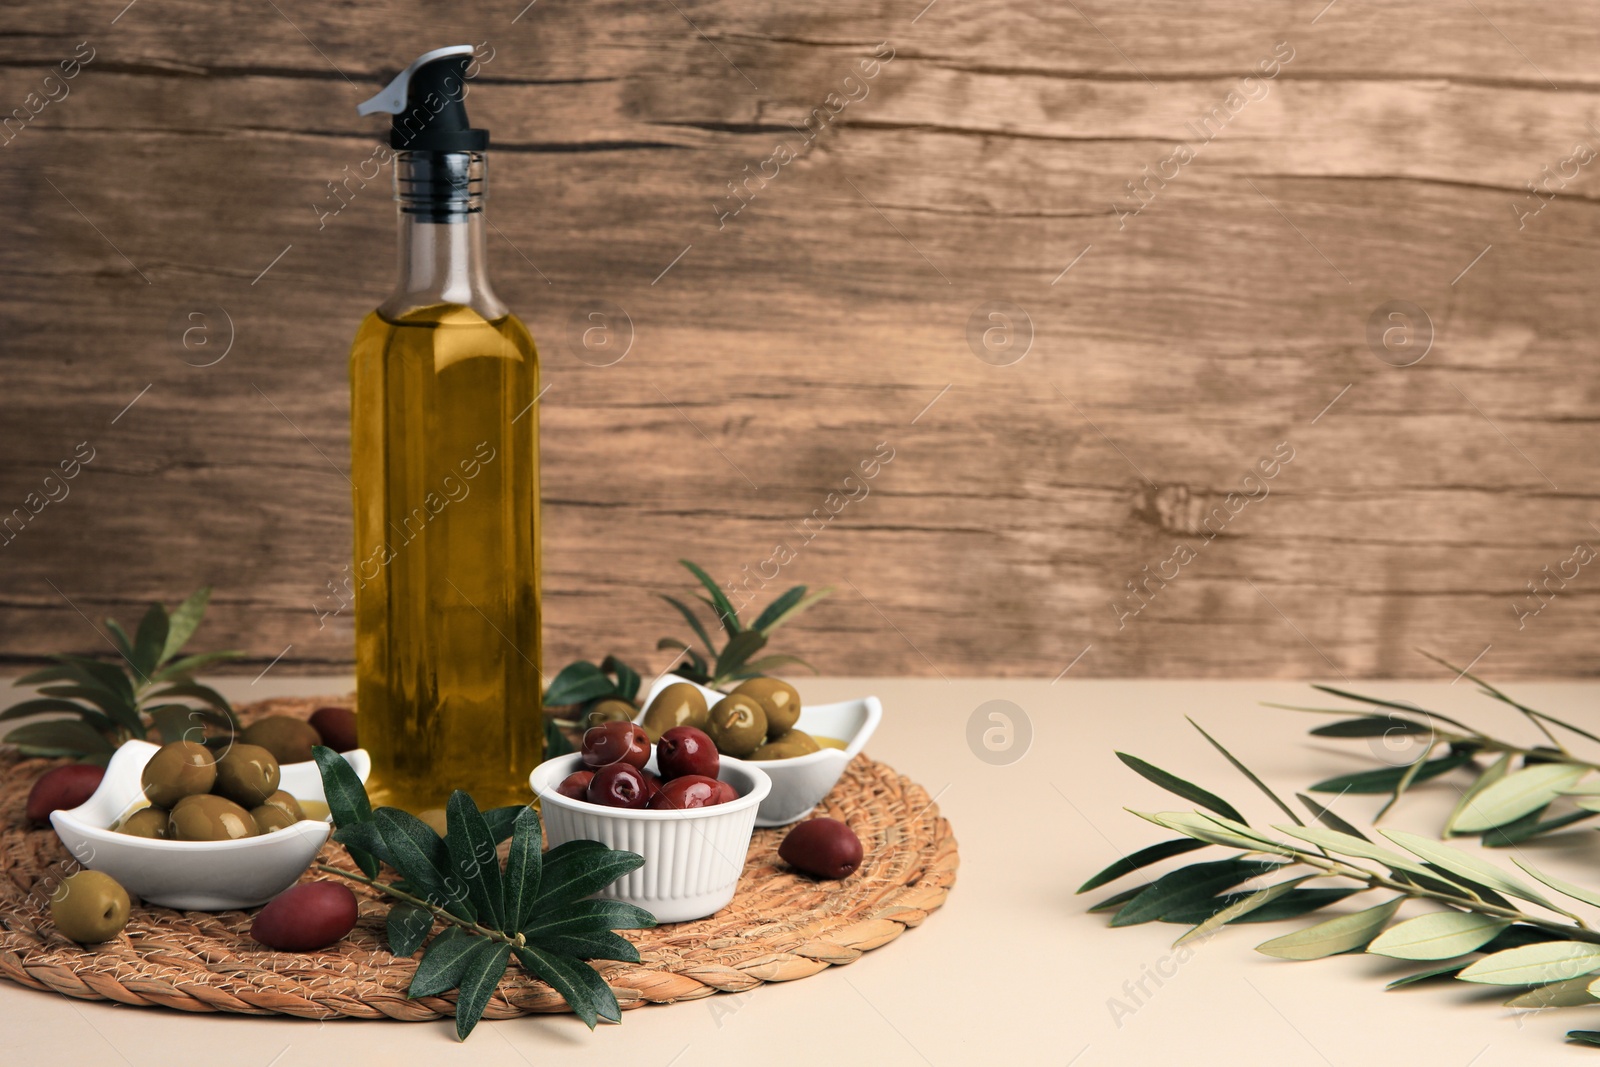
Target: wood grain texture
x,y
1386,161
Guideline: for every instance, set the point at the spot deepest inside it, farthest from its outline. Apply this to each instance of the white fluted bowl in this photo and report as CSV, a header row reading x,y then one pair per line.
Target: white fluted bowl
x,y
800,782
194,875
692,857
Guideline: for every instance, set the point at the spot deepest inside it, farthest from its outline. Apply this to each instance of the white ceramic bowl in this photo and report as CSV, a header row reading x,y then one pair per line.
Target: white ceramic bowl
x,y
800,782
692,858
193,875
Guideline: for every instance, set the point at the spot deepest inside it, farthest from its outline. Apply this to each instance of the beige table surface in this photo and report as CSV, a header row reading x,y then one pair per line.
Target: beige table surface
x,y
1011,970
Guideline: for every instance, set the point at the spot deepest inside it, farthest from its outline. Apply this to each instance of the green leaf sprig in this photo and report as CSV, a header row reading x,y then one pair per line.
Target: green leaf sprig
x,y
152,689
732,662
584,683
1482,929
536,908
581,684
1505,804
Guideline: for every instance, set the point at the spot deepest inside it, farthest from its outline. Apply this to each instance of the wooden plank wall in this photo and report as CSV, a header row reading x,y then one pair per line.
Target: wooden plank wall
x,y
1299,166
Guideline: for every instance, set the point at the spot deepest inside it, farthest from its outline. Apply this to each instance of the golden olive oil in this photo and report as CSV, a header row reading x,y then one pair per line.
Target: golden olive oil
x,y
445,466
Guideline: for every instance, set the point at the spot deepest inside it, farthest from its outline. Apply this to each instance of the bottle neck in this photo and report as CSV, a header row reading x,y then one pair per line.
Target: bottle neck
x,y
442,249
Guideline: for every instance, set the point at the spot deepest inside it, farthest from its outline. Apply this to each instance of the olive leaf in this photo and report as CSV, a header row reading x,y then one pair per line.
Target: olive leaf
x,y
555,742
1387,779
1249,775
718,601
481,971
1370,726
627,678
1240,906
1495,771
1176,889
1467,866
1291,905
1187,790
407,926
1439,935
1576,892
737,652
472,858
348,804
1448,970
1569,993
109,703
59,737
1516,795
1142,858
1327,817
1550,961
1530,826
1332,935
578,683
534,907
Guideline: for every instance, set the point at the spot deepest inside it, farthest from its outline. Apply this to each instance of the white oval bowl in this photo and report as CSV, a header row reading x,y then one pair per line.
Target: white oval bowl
x,y
194,875
692,857
800,782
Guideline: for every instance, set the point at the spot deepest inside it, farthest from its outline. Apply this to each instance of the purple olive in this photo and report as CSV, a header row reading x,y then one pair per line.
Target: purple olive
x,y
575,786
690,791
685,750
826,848
306,917
64,787
619,785
337,727
615,742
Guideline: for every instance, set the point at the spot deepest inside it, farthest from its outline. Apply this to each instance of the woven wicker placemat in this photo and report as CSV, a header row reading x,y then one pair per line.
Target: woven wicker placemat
x,y
780,926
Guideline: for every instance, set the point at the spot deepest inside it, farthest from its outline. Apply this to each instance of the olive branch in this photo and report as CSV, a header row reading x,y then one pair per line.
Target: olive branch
x,y
1481,929
109,703
583,684
535,908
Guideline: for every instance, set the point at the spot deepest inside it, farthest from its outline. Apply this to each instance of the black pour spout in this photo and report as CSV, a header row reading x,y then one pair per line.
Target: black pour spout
x,y
427,100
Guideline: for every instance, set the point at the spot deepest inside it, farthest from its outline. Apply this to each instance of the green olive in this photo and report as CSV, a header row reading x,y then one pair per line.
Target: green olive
x,y
177,770
210,818
146,822
679,704
780,700
89,907
787,745
738,725
279,810
247,775
289,740
286,803
269,817
609,710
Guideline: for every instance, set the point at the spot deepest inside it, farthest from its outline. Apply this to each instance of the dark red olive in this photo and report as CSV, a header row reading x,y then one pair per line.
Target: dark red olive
x,y
728,793
64,787
690,791
652,782
619,785
306,917
576,785
336,727
615,742
826,848
685,750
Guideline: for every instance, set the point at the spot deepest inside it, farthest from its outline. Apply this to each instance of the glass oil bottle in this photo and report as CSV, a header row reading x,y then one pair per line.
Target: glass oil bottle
x,y
444,383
